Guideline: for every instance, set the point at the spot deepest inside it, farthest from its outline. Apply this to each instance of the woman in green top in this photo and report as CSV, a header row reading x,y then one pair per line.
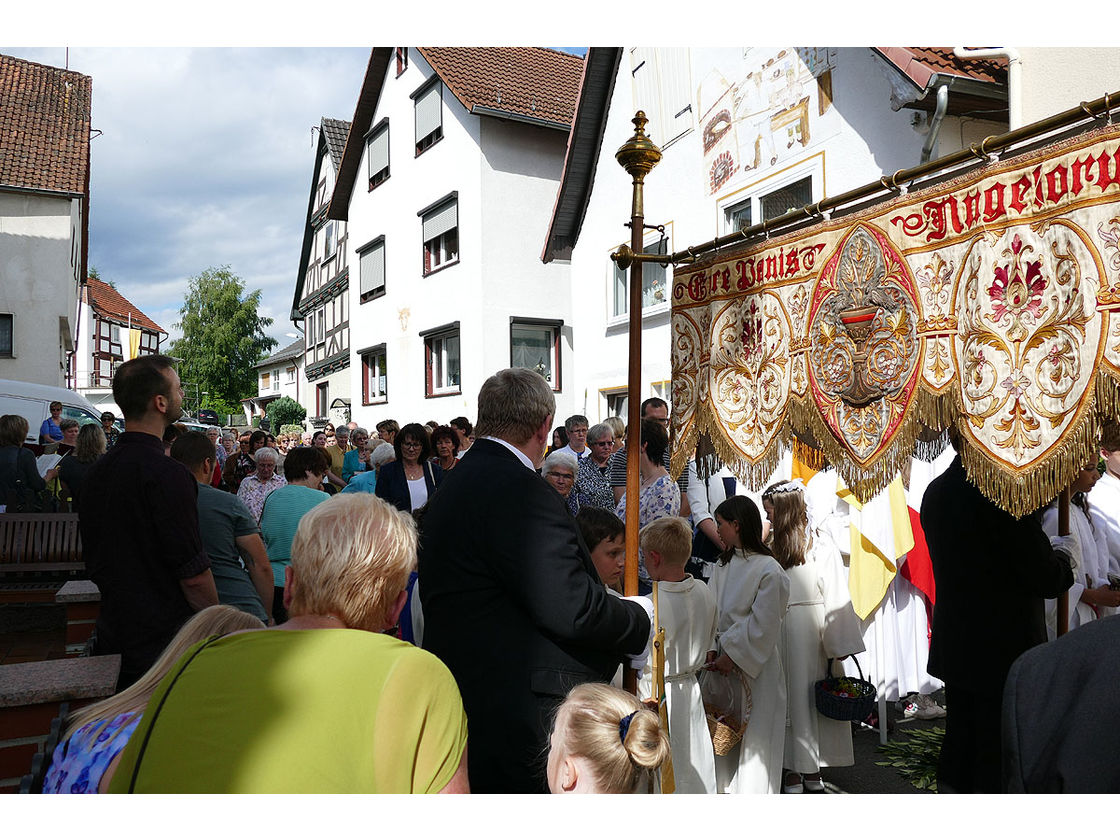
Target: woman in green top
x,y
325,703
304,469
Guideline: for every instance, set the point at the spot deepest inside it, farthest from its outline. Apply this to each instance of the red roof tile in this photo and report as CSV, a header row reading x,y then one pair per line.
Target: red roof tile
x,y
919,63
109,303
524,81
44,127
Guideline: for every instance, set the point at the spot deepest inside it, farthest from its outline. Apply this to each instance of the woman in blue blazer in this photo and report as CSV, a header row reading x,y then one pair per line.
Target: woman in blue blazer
x,y
408,482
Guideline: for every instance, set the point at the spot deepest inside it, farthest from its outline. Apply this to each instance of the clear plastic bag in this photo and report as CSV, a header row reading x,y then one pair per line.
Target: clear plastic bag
x,y
723,697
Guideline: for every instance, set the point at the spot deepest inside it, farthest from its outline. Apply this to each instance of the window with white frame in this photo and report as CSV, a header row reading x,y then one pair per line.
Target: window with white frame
x,y
429,114
290,372
330,239
654,283
309,335
266,381
440,233
768,204
371,269
535,344
441,361
375,375
7,344
322,399
377,152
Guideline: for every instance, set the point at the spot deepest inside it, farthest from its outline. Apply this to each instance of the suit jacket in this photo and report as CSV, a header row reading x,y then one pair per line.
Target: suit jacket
x,y
513,606
1060,709
392,486
992,572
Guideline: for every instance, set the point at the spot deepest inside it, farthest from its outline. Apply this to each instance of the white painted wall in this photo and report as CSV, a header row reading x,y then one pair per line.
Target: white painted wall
x,y
506,176
1056,79
40,259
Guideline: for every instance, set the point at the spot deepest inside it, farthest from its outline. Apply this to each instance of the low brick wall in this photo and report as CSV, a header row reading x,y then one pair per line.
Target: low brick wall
x,y
30,695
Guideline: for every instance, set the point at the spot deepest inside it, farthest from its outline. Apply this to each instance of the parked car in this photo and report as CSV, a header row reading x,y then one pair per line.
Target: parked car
x,y
33,401
208,416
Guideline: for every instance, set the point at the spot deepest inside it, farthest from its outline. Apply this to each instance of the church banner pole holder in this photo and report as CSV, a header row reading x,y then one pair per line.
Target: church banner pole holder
x,y
637,156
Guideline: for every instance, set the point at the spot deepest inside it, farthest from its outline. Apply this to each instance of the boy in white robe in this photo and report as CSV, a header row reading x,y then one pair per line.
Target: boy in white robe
x,y
687,611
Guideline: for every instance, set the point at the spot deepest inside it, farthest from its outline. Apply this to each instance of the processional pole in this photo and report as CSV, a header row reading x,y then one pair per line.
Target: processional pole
x,y
1063,530
637,156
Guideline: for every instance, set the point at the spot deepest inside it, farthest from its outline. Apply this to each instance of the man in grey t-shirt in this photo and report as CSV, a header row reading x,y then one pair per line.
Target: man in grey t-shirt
x,y
238,559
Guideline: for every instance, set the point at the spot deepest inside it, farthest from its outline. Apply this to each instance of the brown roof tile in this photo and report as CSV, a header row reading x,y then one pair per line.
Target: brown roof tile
x,y
44,127
523,81
920,63
108,302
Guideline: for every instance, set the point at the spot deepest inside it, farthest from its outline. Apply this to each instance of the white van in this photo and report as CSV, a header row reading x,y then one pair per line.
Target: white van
x,y
33,402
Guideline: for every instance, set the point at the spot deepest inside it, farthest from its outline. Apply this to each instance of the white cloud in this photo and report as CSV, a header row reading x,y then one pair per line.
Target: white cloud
x,y
204,158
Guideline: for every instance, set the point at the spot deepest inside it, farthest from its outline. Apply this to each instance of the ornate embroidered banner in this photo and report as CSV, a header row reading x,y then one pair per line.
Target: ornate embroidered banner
x,y
988,303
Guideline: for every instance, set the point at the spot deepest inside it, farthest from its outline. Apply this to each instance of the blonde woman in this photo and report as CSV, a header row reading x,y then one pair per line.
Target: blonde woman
x,y
604,741
96,735
820,625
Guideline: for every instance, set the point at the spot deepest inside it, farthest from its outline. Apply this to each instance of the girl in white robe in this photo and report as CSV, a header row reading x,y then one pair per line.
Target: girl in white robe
x,y
751,592
819,625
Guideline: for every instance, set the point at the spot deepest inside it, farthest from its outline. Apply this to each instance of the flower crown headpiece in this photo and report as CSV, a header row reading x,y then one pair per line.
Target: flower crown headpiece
x,y
794,486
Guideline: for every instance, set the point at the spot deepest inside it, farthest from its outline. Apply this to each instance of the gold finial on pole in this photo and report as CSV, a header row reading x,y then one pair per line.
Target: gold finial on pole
x,y
637,156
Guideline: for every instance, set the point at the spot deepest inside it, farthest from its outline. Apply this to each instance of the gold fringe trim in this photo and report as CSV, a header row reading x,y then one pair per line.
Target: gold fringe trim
x,y
924,434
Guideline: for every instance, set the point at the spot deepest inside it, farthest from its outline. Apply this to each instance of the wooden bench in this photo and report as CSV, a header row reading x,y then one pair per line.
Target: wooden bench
x,y
38,553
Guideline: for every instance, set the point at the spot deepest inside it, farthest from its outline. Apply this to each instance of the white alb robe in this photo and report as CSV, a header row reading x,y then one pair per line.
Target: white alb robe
x,y
1104,507
819,625
1091,570
751,593
687,611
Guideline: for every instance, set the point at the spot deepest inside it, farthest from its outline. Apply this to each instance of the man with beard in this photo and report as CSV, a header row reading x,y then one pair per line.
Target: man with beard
x,y
139,525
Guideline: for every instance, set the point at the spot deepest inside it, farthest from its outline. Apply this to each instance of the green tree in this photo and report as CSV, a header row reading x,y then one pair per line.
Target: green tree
x,y
223,336
286,412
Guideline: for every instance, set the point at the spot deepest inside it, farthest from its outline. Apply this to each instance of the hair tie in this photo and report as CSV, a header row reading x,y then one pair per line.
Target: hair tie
x,y
624,726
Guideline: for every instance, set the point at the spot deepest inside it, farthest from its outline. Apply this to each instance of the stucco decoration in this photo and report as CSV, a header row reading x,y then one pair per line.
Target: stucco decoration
x,y
988,303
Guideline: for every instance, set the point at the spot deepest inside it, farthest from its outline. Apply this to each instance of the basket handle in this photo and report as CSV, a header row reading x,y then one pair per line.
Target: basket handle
x,y
854,659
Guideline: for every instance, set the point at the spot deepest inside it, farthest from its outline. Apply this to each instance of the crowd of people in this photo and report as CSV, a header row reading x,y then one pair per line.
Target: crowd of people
x,y
450,601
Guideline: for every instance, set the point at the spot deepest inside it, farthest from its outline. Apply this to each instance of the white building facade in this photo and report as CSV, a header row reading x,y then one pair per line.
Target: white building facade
x,y
447,184
280,375
747,134
44,216
322,297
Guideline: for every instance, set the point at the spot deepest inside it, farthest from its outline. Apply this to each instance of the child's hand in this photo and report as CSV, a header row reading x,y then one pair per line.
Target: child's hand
x,y
723,663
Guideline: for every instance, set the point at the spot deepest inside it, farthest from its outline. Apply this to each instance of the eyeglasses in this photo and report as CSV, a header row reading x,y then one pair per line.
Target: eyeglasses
x,y
411,444
600,443
564,476
577,432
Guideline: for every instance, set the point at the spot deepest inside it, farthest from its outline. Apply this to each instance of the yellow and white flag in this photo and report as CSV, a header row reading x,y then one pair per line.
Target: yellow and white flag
x,y
880,534
133,343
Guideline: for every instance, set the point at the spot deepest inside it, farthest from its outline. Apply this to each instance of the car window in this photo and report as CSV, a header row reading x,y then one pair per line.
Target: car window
x,y
83,417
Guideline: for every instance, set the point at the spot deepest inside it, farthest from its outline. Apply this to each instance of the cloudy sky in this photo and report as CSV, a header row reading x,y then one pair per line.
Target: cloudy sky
x,y
204,157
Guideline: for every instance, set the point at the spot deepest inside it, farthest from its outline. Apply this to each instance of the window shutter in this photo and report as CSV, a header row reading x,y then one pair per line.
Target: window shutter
x,y
643,65
379,152
442,219
676,93
371,268
428,112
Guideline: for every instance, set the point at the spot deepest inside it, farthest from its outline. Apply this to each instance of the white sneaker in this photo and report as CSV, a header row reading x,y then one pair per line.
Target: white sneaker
x,y
927,709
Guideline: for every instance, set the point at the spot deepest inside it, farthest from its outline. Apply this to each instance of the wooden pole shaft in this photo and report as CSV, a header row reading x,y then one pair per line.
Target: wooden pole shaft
x,y
1063,530
633,403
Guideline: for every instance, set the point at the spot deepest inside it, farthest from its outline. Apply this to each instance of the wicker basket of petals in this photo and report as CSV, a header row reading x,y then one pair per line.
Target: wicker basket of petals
x,y
726,726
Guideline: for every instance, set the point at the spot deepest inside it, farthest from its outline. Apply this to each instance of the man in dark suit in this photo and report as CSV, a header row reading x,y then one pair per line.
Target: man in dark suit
x,y
992,572
1060,709
512,603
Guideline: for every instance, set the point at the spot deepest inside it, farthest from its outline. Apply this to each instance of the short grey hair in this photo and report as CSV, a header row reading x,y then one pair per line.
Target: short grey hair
x,y
357,430
513,404
268,453
227,434
382,453
561,459
598,432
